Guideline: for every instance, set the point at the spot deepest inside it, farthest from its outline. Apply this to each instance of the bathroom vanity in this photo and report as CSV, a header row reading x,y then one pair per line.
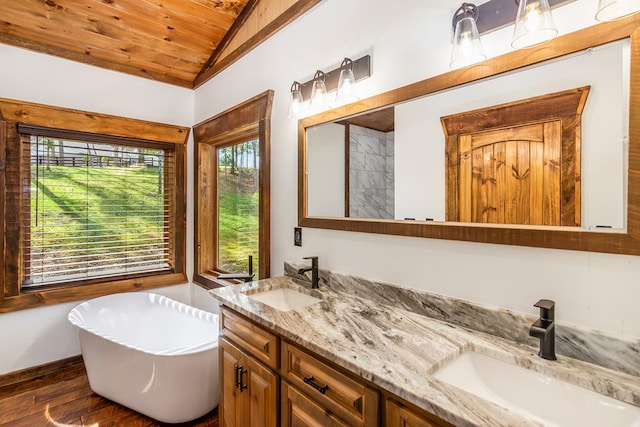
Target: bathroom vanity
x,y
363,354
262,371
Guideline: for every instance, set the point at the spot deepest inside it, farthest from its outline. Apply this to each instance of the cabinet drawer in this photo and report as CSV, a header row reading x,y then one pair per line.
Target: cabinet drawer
x,y
300,411
350,400
261,343
398,415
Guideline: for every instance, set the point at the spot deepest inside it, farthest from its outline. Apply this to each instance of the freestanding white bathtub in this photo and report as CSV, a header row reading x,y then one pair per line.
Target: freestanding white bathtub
x,y
151,354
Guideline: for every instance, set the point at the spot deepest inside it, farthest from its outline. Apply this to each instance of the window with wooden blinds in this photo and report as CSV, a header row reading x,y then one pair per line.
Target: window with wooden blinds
x,y
95,210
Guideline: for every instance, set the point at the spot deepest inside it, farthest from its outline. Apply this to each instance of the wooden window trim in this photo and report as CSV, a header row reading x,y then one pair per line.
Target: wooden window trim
x,y
91,137
247,119
4,126
13,112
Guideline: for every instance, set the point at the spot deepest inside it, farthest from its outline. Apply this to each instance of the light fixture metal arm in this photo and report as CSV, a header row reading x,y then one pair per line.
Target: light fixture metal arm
x,y
465,10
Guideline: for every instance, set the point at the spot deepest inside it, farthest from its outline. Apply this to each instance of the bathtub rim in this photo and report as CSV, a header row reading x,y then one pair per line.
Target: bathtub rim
x,y
75,318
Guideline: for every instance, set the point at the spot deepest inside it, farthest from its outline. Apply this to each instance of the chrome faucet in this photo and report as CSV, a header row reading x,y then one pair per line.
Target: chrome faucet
x,y
315,280
545,329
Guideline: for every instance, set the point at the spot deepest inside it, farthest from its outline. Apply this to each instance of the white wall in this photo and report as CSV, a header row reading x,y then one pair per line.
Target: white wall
x,y
325,170
410,42
40,335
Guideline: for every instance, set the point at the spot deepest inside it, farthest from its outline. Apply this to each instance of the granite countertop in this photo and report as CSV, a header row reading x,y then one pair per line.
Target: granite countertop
x,y
399,350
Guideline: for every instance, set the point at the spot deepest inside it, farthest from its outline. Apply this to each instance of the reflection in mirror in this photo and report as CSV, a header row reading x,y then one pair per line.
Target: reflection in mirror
x,y
391,163
516,163
353,179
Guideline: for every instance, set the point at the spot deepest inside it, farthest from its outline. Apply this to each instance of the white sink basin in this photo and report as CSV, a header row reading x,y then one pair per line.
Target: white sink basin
x,y
285,299
551,401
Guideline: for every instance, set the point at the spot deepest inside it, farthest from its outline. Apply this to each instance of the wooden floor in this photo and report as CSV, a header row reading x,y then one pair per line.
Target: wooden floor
x,y
62,398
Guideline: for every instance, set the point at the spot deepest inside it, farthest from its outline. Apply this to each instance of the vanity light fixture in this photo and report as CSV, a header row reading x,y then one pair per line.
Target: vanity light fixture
x,y
609,10
295,100
346,91
467,48
341,79
534,24
318,99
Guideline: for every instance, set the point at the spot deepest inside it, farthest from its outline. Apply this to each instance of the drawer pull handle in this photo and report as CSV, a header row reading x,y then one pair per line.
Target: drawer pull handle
x,y
243,387
237,380
310,380
240,371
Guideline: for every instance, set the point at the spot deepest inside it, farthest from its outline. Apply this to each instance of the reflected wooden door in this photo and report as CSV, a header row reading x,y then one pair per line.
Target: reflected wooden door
x,y
512,176
516,163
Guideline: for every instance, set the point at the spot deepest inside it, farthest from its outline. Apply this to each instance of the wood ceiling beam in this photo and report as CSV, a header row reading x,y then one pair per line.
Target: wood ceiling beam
x,y
212,67
240,20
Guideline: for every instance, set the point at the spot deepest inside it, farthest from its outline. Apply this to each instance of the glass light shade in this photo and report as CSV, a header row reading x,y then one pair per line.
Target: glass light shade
x,y
295,102
609,10
346,86
467,48
534,24
318,101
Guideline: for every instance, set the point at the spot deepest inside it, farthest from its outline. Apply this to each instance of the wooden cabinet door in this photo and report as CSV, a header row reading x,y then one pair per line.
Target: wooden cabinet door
x,y
249,395
300,411
398,415
230,406
261,395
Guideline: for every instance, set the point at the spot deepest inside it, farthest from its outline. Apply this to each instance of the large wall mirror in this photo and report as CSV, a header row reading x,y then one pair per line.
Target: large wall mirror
x,y
537,147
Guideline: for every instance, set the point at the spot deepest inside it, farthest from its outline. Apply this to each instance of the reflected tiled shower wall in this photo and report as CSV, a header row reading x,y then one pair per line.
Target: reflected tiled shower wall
x,y
371,173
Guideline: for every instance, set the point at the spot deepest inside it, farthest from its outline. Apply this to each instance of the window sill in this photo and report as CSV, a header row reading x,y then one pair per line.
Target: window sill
x,y
61,295
210,281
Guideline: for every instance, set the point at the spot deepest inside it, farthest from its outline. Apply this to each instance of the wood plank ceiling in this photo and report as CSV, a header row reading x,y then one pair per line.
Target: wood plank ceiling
x,y
173,41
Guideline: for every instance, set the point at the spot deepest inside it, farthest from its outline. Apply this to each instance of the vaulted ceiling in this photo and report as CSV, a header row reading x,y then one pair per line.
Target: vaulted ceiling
x,y
181,42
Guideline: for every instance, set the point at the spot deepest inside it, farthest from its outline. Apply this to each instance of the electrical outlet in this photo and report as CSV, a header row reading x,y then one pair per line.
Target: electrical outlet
x,y
297,236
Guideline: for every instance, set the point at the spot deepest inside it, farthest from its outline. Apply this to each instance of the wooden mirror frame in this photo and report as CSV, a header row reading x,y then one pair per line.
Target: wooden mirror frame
x,y
573,239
